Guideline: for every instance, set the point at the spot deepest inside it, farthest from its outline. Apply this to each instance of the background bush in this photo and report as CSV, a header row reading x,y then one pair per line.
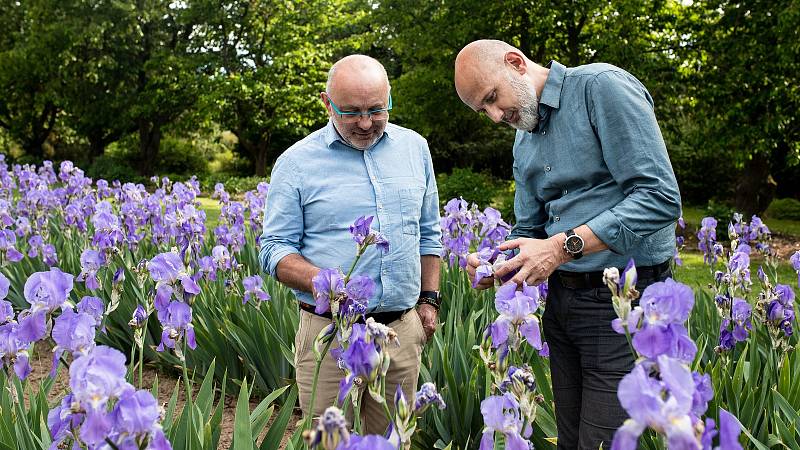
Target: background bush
x,y
784,208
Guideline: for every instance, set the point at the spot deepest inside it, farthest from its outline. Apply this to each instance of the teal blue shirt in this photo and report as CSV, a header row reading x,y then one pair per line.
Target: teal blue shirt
x,y
320,186
597,157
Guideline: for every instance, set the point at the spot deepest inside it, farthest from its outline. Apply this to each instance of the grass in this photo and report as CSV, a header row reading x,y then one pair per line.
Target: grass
x,y
211,207
698,275
693,215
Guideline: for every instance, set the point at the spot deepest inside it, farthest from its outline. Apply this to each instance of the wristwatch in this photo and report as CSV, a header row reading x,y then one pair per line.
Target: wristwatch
x,y
430,298
573,245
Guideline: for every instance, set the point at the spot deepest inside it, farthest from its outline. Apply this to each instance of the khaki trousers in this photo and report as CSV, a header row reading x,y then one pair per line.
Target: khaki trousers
x,y
403,369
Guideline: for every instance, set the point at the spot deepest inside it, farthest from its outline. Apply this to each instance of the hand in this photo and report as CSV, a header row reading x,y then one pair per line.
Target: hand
x,y
472,265
429,317
537,259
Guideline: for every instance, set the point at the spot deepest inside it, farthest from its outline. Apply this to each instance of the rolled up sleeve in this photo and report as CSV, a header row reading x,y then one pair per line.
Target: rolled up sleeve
x,y
430,237
622,115
283,217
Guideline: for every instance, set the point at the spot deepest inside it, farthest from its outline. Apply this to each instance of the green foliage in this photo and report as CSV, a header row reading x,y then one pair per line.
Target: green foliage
x,y
112,167
784,208
475,187
233,184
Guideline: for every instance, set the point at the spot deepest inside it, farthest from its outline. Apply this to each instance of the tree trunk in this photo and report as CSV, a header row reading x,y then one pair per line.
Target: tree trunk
x,y
261,156
97,146
149,143
756,188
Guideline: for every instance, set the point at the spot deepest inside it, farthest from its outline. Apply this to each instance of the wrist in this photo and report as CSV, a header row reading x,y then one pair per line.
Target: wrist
x,y
562,256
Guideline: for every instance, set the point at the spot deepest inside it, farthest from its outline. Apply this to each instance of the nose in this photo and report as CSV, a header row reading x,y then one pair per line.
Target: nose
x,y
496,114
365,122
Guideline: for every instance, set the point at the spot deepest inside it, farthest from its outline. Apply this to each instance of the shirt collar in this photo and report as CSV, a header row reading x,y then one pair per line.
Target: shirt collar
x,y
331,135
551,94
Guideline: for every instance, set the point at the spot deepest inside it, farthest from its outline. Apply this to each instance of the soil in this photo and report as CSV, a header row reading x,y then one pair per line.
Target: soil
x,y
41,363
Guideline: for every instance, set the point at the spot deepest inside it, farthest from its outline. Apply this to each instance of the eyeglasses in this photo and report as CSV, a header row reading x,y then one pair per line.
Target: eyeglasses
x,y
355,116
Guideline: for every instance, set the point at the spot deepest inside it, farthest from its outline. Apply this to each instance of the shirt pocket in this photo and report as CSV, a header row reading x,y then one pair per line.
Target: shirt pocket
x,y
411,208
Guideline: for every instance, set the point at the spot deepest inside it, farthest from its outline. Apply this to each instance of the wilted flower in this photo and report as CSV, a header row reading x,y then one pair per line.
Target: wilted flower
x,y
427,396
331,431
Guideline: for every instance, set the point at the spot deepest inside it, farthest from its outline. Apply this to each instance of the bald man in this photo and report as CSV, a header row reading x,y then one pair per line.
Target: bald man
x,y
594,189
357,165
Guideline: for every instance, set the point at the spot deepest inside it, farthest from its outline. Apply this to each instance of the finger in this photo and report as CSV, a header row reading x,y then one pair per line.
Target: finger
x,y
472,260
521,276
508,267
485,283
508,245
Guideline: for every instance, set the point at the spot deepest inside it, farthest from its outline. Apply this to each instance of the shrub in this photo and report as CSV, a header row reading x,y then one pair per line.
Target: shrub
x,y
112,167
476,187
233,185
784,208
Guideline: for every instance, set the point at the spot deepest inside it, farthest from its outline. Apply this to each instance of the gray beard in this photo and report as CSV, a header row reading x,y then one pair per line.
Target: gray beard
x,y
529,105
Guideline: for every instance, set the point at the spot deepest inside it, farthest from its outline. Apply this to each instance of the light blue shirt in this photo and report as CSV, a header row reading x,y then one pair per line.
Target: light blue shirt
x,y
320,186
597,157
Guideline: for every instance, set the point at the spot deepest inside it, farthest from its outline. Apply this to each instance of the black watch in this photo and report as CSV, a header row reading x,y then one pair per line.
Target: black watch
x,y
573,245
430,298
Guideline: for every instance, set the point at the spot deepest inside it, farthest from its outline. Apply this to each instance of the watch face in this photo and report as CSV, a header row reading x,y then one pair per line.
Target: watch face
x,y
574,244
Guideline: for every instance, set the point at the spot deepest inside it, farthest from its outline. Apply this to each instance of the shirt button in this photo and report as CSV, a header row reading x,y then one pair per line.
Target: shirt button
x,y
565,192
547,168
544,132
556,218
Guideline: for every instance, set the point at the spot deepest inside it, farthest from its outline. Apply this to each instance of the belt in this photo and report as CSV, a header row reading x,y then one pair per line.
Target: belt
x,y
586,280
385,317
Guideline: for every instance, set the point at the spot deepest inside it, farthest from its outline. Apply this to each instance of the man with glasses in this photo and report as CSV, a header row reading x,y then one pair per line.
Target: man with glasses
x,y
357,165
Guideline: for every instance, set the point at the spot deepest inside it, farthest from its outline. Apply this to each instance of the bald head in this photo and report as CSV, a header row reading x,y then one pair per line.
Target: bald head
x,y
480,62
356,69
357,84
497,79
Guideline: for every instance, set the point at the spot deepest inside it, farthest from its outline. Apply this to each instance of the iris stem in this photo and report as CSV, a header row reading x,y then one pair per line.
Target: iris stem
x,y
307,421
141,352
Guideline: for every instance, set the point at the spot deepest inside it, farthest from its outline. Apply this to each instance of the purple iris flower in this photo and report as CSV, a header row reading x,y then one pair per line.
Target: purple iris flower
x,y
207,267
222,257
73,333
331,430
740,317
253,288
785,294
98,376
139,317
667,302
426,397
795,261
167,270
663,405
91,262
739,262
703,393
361,359
92,306
61,420
726,339
48,290
328,283
707,237
365,236
369,442
8,243
360,288
6,312
13,350
501,414
5,284
136,412
517,312
729,430
176,319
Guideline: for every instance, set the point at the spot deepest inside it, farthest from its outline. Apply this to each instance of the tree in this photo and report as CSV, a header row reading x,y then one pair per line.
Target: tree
x,y
33,48
746,90
270,62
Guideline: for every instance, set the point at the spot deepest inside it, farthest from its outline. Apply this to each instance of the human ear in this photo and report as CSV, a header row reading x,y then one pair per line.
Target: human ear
x,y
517,61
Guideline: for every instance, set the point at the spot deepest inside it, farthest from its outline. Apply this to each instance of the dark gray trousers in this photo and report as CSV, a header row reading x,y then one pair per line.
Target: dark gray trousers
x,y
587,361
